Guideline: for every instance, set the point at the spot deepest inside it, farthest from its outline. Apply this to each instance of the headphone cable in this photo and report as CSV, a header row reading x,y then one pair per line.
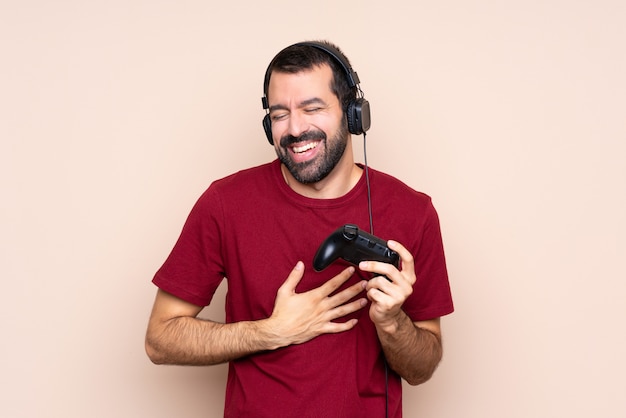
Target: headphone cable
x,y
367,181
371,219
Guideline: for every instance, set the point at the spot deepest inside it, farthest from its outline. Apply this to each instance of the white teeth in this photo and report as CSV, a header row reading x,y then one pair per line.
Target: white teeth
x,y
304,148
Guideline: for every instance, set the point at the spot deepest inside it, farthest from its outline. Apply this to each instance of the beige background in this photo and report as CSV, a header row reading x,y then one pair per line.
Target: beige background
x,y
115,115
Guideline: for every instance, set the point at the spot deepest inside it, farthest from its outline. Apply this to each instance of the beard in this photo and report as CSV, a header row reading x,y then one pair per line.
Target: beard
x,y
323,164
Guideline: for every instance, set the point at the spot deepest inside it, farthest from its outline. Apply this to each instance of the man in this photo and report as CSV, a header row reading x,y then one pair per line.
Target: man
x,y
302,343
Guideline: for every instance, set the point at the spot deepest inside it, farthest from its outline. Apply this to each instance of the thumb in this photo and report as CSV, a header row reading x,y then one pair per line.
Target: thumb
x,y
294,278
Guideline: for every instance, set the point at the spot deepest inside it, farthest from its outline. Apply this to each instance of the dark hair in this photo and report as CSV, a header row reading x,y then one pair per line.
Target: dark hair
x,y
301,57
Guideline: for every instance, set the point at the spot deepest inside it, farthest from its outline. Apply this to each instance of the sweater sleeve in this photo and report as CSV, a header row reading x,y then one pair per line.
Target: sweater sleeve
x,y
194,268
431,296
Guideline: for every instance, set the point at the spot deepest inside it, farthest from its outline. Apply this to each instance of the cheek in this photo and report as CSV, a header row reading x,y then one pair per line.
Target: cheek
x,y
279,129
325,124
336,129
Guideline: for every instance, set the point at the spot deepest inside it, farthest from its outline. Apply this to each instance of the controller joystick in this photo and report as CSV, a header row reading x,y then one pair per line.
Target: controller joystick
x,y
353,245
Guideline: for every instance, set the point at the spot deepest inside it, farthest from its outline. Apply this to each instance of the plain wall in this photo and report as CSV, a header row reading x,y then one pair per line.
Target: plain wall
x,y
116,115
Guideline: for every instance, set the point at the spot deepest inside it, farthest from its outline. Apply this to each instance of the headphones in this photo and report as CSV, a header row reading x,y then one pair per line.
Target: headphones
x,y
357,111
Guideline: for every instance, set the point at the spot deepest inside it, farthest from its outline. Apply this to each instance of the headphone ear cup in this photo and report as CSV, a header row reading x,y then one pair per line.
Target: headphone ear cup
x,y
358,116
267,127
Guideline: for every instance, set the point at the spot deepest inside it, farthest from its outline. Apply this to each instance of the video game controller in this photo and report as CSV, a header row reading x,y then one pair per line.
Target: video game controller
x,y
353,245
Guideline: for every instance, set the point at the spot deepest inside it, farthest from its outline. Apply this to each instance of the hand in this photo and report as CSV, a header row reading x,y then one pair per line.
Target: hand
x,y
300,317
388,293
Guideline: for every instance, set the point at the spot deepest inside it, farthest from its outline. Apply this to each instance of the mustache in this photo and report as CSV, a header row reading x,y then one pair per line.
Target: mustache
x,y
288,139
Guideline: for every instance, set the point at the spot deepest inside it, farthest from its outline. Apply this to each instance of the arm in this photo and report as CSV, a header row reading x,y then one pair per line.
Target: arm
x,y
176,336
412,349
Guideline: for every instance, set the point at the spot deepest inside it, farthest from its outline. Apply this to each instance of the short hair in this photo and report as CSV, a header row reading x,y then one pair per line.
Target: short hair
x,y
301,57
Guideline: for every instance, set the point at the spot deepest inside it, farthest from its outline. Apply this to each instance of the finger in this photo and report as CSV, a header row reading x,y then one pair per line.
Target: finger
x,y
293,279
347,294
399,289
381,285
377,296
408,263
348,308
334,283
378,267
337,327
383,302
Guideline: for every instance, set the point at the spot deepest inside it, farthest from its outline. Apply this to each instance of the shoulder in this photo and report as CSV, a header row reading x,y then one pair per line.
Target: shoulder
x,y
244,182
393,188
253,175
235,192
399,210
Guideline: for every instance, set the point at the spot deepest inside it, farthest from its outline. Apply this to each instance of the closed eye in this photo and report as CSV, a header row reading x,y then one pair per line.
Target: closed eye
x,y
313,105
278,116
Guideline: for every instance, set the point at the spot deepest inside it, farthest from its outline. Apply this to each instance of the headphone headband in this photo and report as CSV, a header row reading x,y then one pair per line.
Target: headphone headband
x,y
351,75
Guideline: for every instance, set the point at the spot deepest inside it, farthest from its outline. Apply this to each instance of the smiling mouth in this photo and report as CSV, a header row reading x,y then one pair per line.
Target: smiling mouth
x,y
304,148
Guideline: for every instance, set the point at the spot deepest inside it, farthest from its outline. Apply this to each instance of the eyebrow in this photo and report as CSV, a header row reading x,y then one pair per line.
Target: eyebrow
x,y
304,103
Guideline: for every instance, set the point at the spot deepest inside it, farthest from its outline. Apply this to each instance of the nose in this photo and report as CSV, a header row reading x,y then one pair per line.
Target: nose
x,y
297,124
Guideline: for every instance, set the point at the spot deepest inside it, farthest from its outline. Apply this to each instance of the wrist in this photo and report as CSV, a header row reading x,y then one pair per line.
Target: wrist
x,y
269,335
393,324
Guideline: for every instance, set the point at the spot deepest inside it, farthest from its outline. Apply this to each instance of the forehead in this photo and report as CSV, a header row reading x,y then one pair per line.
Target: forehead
x,y
308,83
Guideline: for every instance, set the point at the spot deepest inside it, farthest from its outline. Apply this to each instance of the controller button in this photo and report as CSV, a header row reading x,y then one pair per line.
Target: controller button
x,y
350,232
